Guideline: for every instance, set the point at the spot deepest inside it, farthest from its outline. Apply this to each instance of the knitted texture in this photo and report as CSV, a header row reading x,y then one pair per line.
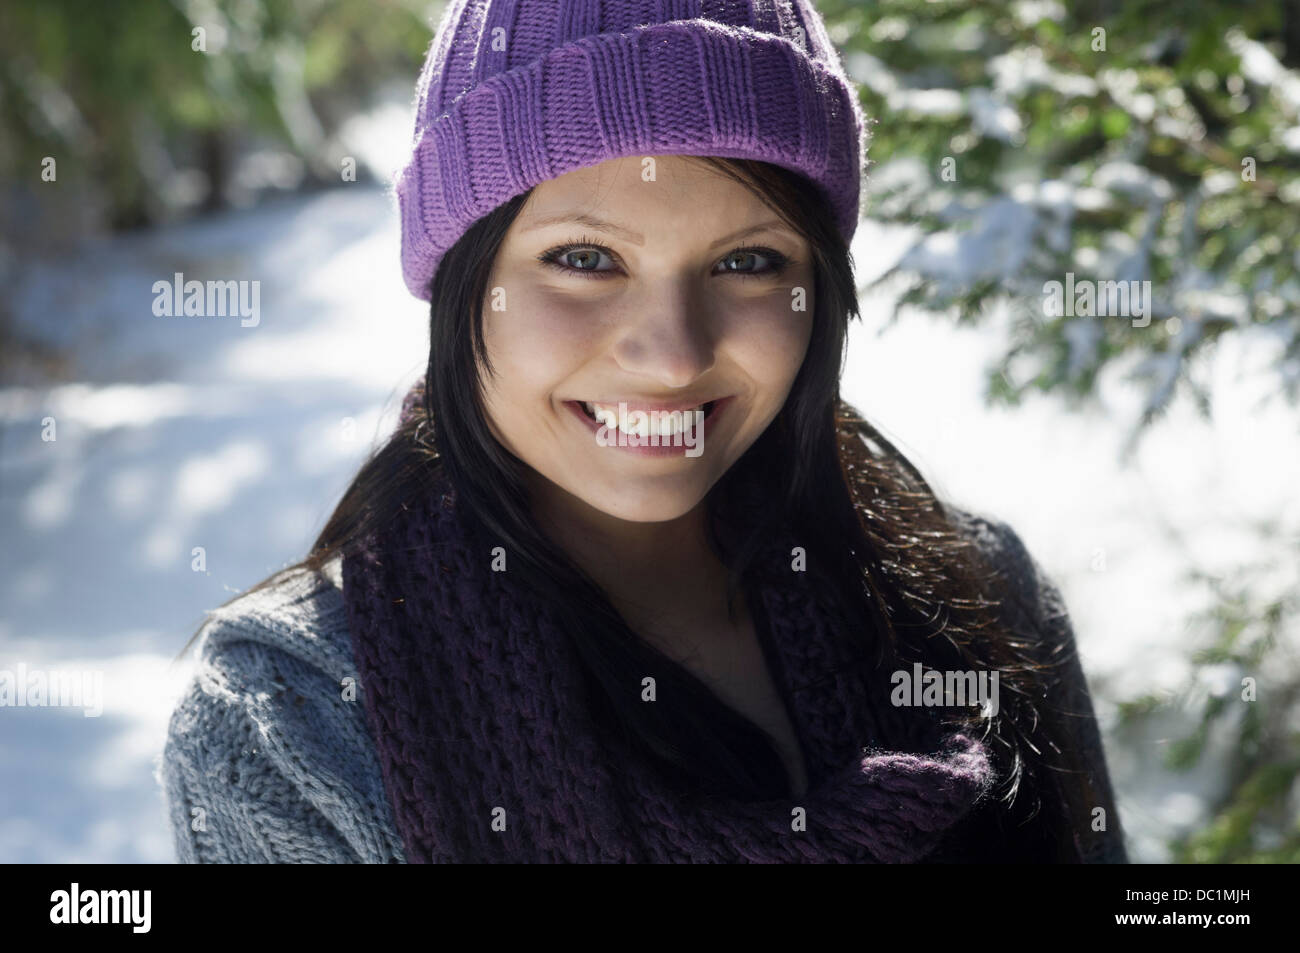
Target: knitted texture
x,y
515,92
270,759
480,713
478,707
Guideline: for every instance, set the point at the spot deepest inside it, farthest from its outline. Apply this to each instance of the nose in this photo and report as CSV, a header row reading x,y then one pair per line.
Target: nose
x,y
665,338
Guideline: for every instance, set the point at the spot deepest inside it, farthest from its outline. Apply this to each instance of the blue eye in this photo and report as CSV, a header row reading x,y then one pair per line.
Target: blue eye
x,y
582,259
577,258
776,262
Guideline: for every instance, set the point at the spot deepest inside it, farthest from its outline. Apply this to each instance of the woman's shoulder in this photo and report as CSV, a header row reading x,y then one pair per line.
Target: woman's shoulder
x,y
1032,604
268,747
1030,600
1005,553
298,613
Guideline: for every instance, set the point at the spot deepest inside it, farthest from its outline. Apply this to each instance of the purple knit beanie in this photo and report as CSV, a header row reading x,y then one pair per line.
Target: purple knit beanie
x,y
515,92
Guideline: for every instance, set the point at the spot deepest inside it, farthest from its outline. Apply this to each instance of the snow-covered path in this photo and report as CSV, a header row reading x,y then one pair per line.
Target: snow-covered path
x,y
186,432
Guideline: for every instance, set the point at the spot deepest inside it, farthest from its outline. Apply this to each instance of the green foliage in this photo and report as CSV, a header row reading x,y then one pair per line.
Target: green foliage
x,y
1167,150
1248,637
1248,632
1232,837
109,87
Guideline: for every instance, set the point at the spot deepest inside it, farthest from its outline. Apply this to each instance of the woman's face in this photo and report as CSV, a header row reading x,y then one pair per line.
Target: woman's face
x,y
665,285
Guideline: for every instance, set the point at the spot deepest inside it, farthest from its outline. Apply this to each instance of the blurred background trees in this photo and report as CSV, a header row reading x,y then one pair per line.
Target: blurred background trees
x,y
1156,141
158,108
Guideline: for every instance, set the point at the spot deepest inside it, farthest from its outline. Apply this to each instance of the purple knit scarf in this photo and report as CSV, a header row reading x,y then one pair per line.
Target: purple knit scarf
x,y
489,753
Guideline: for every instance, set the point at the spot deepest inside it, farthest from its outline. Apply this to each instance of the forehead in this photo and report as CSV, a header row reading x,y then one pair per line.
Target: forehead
x,y
641,192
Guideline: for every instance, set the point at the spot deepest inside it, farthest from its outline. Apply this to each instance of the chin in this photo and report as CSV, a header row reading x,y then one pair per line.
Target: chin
x,y
647,514
652,501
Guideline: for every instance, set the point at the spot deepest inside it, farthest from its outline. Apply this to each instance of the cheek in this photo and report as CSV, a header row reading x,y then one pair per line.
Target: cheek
x,y
767,338
535,341
529,322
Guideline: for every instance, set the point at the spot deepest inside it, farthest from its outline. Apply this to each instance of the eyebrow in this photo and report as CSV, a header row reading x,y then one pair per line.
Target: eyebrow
x,y
636,238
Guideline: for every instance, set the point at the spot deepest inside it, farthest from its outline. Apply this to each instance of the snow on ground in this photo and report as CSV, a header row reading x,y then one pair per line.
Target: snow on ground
x,y
199,432
182,432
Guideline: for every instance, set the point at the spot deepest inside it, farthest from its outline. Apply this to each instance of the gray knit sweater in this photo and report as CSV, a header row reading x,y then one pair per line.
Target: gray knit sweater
x,y
269,758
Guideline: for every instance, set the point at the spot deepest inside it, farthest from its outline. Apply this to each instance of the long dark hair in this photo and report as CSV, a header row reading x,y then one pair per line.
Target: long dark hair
x,y
884,553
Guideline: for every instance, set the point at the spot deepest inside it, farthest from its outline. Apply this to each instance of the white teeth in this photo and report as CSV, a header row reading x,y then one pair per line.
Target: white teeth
x,y
644,423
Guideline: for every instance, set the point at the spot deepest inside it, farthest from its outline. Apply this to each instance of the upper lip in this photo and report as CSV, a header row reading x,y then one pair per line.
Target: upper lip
x,y
667,406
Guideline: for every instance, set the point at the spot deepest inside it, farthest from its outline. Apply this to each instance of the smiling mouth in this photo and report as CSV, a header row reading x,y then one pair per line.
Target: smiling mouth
x,y
649,423
595,411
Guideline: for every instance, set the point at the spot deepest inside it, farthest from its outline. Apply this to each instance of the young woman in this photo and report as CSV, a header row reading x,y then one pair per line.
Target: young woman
x,y
629,582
